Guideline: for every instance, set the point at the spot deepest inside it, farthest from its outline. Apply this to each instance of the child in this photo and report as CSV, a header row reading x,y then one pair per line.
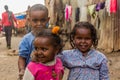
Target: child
x,y
44,64
84,62
38,18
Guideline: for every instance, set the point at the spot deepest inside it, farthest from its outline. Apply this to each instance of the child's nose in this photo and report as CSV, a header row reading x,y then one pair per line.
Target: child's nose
x,y
39,23
83,40
39,51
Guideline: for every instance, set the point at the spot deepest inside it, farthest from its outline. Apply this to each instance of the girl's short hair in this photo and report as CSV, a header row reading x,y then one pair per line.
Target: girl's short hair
x,y
84,25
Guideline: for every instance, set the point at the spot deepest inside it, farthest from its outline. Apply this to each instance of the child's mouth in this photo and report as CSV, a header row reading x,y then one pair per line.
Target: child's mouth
x,y
41,56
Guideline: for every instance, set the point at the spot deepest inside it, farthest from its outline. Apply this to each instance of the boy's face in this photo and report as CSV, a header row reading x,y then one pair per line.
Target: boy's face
x,y
38,19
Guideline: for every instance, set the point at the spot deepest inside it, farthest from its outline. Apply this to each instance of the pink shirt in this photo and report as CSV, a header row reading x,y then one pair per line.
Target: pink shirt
x,y
5,20
42,72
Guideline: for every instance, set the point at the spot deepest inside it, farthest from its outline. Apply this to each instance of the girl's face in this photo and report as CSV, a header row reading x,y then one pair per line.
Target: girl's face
x,y
83,40
45,51
38,19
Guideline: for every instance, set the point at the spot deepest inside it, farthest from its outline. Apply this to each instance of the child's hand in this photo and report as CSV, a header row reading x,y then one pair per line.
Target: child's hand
x,y
21,73
54,75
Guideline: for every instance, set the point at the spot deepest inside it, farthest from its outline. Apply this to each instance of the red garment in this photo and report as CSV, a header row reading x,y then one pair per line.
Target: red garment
x,y
5,20
68,12
113,6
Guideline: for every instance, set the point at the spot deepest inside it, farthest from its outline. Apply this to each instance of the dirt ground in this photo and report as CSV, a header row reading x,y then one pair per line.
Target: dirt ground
x,y
9,68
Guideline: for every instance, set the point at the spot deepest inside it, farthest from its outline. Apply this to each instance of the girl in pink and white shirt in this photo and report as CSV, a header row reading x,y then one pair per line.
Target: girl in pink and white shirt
x,y
44,64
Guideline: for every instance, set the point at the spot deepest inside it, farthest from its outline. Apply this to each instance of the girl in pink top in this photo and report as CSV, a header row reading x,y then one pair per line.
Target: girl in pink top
x,y
45,65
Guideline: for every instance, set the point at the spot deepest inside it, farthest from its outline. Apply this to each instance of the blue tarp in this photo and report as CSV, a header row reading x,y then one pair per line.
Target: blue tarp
x,y
21,17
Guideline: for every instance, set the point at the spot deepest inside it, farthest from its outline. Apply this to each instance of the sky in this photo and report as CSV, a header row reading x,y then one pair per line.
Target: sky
x,y
17,6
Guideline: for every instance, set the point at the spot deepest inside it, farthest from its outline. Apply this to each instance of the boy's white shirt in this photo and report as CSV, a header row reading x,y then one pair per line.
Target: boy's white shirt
x,y
28,75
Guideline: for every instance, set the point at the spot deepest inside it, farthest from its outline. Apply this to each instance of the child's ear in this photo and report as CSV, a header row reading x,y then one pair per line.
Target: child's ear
x,y
48,18
57,50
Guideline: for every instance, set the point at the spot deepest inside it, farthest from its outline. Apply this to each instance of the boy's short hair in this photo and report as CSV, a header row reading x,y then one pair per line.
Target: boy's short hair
x,y
6,7
37,7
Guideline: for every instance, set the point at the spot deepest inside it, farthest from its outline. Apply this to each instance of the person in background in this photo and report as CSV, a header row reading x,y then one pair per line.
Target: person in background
x,y
84,61
8,20
0,25
44,64
38,18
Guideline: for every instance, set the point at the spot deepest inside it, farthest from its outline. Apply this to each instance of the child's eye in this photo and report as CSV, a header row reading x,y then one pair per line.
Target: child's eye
x,y
36,48
35,20
87,38
43,20
44,49
79,38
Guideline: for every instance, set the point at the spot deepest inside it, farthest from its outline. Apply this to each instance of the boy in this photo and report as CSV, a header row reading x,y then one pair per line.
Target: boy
x,y
38,18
